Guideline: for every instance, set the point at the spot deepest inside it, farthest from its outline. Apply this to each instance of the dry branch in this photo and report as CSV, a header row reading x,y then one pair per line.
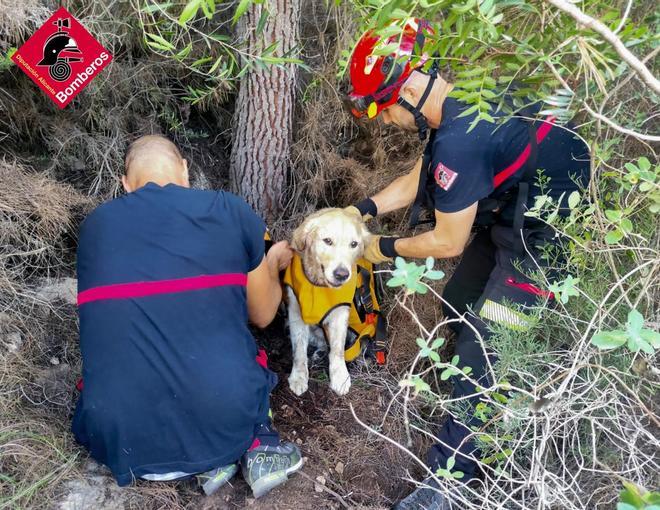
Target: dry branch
x,y
610,37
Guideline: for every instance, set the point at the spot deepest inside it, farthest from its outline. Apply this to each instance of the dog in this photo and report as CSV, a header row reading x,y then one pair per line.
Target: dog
x,y
327,246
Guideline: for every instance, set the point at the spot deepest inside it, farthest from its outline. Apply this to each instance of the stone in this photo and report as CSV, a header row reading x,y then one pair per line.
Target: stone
x,y
319,484
63,289
96,492
12,341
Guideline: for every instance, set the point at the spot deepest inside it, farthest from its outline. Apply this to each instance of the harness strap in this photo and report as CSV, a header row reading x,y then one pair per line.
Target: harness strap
x,y
523,189
420,120
362,299
421,184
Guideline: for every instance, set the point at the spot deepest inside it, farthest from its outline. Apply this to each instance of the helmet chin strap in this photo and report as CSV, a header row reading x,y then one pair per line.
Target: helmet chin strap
x,y
420,120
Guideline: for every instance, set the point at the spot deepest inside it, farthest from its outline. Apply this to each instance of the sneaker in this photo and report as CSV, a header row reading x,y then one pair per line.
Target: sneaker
x,y
212,480
266,467
425,497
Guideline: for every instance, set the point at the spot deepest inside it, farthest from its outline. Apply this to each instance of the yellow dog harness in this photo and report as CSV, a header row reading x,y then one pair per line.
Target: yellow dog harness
x,y
366,326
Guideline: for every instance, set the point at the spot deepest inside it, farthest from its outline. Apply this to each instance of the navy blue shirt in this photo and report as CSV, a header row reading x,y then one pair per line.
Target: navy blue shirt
x,y
170,377
464,163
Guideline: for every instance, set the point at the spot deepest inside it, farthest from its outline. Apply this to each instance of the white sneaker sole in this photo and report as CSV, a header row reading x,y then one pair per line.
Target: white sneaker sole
x,y
264,485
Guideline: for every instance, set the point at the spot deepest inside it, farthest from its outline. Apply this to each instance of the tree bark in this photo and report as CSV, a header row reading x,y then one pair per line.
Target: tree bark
x,y
263,118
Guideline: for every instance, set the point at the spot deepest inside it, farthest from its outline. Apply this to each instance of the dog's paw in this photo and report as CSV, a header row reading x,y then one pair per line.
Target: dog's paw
x,y
298,383
340,380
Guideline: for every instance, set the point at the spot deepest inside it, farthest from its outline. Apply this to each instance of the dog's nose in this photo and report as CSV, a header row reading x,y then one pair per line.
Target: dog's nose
x,y
341,274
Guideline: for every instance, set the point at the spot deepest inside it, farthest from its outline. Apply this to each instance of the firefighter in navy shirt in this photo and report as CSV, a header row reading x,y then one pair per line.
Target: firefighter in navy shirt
x,y
487,177
168,278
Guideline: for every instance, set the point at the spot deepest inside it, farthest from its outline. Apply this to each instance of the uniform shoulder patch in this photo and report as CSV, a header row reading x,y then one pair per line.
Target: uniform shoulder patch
x,y
444,176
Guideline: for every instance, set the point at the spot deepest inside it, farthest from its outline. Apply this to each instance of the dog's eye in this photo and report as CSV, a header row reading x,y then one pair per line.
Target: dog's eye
x,y
328,241
354,244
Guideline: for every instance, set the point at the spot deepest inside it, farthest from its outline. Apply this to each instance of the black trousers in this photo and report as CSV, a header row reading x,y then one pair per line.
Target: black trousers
x,y
485,288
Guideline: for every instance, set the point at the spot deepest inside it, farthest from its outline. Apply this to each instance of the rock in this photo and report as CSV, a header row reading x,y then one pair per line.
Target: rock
x,y
12,341
64,289
53,384
340,468
96,492
319,484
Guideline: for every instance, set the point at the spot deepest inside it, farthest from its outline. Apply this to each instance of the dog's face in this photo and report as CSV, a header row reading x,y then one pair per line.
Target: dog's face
x,y
330,241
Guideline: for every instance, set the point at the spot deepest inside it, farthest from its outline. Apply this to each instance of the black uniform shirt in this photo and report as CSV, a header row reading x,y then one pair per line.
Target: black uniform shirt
x,y
464,164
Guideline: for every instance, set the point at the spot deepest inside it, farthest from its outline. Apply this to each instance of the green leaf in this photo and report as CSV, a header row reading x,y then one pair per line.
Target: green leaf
x,y
573,199
458,474
240,9
262,21
429,263
421,343
158,42
184,52
151,8
626,225
455,359
605,340
437,343
188,12
614,237
613,216
451,462
435,275
644,163
638,343
635,322
625,506
652,337
395,282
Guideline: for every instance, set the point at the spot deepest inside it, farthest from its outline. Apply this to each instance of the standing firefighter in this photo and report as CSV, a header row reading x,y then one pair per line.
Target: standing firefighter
x,y
486,177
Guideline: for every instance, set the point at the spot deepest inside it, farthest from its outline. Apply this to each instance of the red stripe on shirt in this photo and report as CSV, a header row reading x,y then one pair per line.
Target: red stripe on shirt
x,y
541,133
141,289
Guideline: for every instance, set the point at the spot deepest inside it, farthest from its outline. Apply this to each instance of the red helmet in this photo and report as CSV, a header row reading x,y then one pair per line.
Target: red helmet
x,y
376,78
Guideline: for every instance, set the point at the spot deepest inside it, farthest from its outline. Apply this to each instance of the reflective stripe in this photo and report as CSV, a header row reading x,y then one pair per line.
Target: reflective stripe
x,y
142,289
500,314
541,133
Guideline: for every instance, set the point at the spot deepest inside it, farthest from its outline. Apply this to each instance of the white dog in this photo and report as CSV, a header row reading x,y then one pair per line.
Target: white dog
x,y
327,244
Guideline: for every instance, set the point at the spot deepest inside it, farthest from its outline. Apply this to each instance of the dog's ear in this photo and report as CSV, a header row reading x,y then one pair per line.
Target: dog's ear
x,y
303,234
299,238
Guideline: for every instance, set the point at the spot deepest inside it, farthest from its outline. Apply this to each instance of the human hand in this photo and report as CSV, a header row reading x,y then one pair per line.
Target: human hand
x,y
280,255
365,210
373,253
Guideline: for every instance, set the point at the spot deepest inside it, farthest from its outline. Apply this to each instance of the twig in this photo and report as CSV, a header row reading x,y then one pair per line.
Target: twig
x,y
620,129
609,36
326,489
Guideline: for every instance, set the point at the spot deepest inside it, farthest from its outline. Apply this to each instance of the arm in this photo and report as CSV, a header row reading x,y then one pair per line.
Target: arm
x,y
264,291
448,239
400,192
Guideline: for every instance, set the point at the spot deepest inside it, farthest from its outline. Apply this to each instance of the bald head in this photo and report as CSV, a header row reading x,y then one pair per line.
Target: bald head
x,y
156,159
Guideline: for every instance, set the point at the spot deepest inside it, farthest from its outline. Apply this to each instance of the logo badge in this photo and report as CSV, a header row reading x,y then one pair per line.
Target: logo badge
x,y
444,176
62,57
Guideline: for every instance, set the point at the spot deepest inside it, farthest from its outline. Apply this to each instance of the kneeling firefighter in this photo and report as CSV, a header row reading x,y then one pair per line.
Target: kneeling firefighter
x,y
485,177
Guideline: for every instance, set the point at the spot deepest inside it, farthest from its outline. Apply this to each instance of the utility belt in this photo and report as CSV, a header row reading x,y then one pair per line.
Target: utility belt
x,y
488,208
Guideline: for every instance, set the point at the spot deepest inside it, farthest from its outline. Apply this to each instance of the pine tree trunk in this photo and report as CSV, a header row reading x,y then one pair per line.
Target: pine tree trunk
x,y
263,117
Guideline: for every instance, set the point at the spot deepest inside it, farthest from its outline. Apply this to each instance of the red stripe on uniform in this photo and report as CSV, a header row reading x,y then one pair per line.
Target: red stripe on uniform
x,y
541,133
141,289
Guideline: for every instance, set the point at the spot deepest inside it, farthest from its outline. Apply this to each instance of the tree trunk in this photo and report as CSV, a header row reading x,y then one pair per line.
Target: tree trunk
x,y
263,117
